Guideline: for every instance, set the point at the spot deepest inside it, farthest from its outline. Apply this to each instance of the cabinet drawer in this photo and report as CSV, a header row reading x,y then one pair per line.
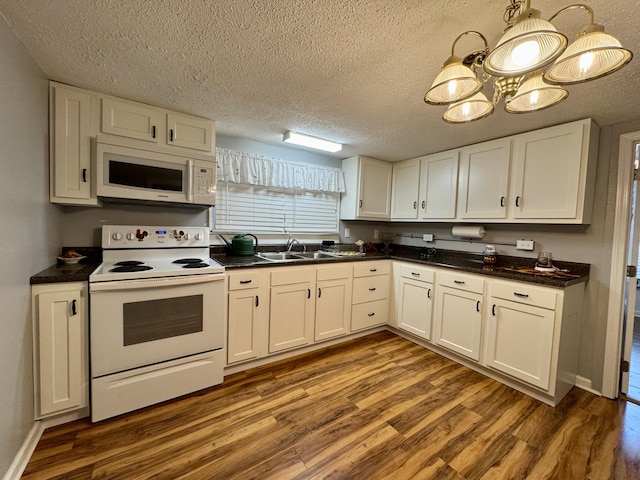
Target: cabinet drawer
x,y
243,280
289,276
368,289
462,282
333,272
367,269
516,292
369,314
417,273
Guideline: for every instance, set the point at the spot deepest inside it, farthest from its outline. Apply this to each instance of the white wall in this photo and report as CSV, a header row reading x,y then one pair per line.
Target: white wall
x,y
30,237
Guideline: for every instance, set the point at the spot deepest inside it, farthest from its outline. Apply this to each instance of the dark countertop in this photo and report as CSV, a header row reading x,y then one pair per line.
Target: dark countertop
x,y
509,268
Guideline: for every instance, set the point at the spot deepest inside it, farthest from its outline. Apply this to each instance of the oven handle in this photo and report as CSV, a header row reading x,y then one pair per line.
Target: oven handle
x,y
154,282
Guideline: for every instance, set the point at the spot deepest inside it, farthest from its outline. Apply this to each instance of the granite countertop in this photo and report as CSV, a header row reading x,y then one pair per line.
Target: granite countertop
x,y
507,267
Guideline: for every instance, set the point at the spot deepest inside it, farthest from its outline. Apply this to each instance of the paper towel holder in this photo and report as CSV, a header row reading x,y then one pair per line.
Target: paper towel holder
x,y
468,231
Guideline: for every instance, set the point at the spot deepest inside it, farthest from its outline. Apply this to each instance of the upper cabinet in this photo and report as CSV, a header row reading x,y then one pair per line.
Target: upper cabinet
x,y
439,186
406,182
77,116
368,189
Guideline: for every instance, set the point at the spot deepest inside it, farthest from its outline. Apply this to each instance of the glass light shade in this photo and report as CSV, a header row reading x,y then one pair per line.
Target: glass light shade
x,y
529,45
455,82
592,55
468,110
534,95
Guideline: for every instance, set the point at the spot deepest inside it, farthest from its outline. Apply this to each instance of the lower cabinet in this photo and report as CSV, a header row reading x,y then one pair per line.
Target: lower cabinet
x,y
371,285
415,300
333,301
247,308
60,347
459,304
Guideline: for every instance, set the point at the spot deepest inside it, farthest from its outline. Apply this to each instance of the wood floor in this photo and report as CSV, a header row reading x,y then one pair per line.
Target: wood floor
x,y
378,407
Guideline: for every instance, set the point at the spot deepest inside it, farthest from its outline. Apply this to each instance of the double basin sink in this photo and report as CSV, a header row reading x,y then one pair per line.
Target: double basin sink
x,y
287,256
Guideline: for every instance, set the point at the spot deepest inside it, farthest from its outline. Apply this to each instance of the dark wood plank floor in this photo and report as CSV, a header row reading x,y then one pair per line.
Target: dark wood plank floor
x,y
378,407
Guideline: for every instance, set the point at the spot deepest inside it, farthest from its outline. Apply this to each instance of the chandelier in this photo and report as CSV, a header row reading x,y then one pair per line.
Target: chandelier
x,y
529,66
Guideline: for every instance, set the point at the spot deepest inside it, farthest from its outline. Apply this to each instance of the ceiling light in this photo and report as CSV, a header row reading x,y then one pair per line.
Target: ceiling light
x,y
311,142
516,66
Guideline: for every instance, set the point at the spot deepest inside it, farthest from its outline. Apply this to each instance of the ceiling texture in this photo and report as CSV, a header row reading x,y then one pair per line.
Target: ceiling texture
x,y
351,71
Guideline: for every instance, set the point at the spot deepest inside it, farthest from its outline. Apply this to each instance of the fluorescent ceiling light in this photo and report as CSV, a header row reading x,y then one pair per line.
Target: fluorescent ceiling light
x,y
311,142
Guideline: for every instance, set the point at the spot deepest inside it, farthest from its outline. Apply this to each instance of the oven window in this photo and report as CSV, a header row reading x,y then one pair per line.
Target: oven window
x,y
145,176
165,318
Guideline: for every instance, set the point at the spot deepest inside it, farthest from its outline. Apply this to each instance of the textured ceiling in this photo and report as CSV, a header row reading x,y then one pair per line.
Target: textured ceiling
x,y
353,71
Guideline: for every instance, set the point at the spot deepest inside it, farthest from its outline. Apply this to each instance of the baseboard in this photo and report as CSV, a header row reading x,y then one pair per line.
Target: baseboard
x,y
585,384
23,456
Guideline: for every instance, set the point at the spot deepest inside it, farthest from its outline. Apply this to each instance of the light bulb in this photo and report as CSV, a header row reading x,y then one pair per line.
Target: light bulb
x,y
527,53
586,62
533,98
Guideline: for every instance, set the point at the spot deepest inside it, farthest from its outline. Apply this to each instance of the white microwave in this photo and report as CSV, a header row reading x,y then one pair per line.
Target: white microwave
x,y
128,173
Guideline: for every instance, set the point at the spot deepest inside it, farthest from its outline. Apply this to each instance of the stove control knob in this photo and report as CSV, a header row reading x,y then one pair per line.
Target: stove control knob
x,y
131,236
198,236
117,236
187,236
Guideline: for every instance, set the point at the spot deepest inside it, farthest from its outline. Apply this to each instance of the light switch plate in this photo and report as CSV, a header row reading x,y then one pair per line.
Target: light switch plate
x,y
347,233
427,237
524,245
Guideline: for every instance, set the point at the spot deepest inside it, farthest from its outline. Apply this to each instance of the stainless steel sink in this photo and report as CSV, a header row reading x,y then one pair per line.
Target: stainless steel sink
x,y
279,256
316,255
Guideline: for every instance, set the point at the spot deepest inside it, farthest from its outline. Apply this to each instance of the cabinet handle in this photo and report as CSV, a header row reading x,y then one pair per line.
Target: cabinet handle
x,y
493,310
502,201
521,295
373,269
73,307
415,274
84,175
153,131
424,204
458,282
360,203
244,282
372,289
257,300
415,205
429,293
370,314
308,293
319,292
518,201
478,306
171,135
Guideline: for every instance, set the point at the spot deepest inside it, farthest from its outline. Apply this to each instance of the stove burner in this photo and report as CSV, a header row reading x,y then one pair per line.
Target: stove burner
x,y
196,265
188,260
131,268
128,263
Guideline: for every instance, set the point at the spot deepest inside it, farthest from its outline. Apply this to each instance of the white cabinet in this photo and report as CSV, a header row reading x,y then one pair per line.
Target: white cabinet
x,y
368,189
190,132
60,347
484,179
415,300
291,308
371,290
553,177
406,182
333,301
458,320
71,176
247,309
439,186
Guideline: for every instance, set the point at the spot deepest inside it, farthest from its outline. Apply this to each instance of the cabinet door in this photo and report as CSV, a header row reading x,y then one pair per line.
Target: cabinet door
x,y
520,341
291,316
416,307
190,132
375,189
70,144
131,119
406,179
483,181
549,166
244,328
439,185
369,314
459,321
333,309
60,350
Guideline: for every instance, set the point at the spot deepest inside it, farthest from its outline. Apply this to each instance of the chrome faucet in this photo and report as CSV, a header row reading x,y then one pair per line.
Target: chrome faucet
x,y
292,241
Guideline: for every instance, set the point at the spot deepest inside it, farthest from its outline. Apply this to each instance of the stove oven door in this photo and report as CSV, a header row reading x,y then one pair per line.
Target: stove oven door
x,y
135,323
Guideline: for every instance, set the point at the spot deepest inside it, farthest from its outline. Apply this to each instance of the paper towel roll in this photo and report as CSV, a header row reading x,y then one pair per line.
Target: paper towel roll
x,y
469,231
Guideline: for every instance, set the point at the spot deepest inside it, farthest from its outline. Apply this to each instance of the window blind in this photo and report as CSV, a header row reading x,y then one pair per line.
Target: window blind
x,y
241,207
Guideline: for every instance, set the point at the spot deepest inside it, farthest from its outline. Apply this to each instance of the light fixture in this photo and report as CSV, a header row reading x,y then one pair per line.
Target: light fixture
x,y
527,66
311,142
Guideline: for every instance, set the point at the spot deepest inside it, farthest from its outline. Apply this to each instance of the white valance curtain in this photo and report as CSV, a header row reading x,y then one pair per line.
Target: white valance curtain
x,y
253,169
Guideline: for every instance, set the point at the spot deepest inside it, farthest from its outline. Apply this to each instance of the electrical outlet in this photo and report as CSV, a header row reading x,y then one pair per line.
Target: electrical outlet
x,y
376,234
427,237
524,244
347,232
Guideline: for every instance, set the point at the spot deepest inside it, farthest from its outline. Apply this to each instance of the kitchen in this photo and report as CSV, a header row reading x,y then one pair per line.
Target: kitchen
x,y
35,230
